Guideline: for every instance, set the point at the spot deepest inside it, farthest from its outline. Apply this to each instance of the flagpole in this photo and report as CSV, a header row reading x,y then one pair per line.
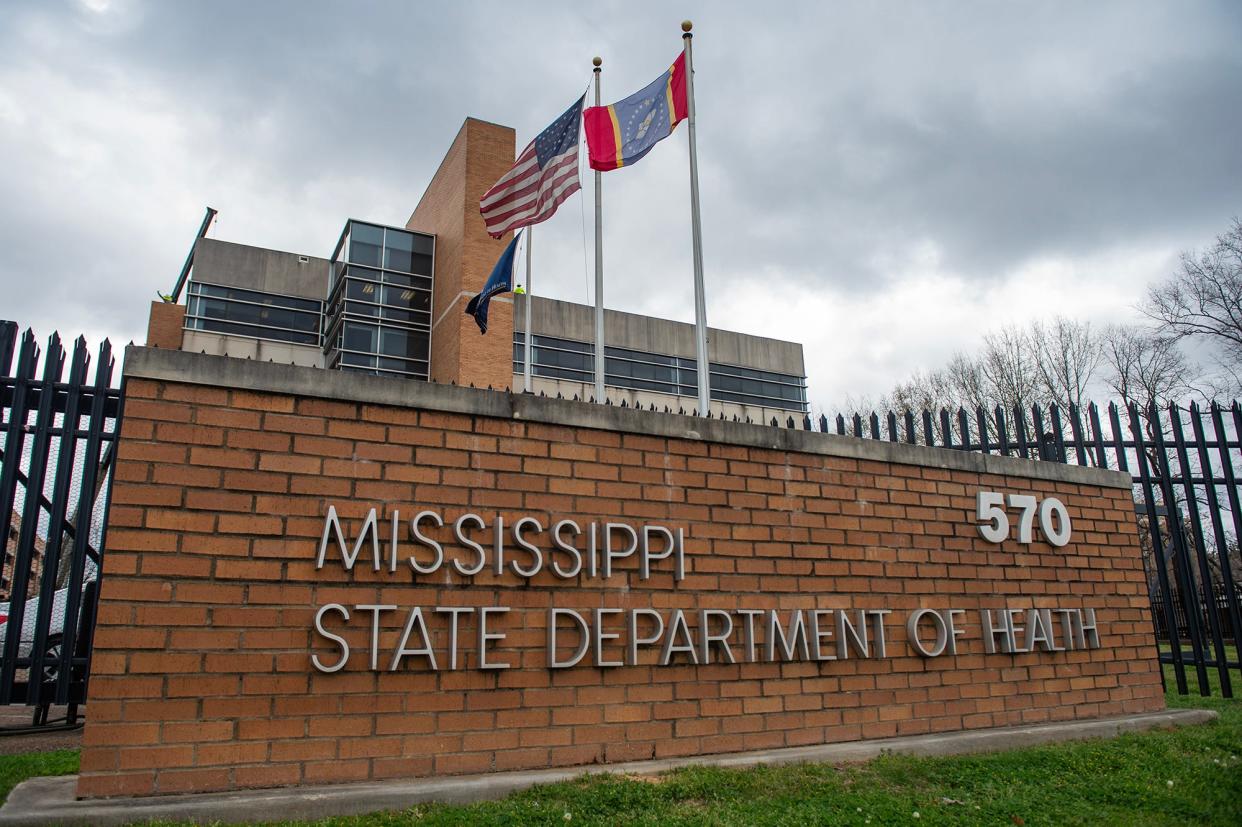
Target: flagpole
x,y
526,335
599,267
696,232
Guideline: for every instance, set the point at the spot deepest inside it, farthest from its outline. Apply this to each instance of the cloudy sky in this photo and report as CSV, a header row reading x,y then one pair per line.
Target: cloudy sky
x,y
883,182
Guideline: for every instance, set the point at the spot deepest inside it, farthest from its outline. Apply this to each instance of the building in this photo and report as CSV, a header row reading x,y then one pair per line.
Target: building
x,y
9,565
390,300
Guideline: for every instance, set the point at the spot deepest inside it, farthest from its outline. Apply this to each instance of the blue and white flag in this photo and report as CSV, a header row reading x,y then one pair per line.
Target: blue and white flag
x,y
500,281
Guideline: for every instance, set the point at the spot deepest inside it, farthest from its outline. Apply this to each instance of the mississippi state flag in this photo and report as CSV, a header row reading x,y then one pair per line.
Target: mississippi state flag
x,y
500,281
620,134
545,174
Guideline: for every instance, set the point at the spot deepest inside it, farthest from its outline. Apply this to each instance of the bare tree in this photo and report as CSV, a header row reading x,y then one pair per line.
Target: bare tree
x,y
922,391
1203,298
1066,355
1008,367
966,382
1145,367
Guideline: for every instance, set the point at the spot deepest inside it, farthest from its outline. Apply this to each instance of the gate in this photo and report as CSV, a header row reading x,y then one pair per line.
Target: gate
x,y
57,439
1185,463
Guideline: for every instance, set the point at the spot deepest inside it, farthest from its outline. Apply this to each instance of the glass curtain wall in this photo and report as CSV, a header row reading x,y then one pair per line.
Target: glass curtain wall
x,y
379,302
638,370
254,314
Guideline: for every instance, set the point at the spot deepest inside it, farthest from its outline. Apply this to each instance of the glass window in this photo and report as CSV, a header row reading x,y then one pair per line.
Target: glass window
x,y
402,279
361,290
219,326
365,273
398,250
573,360
253,314
359,337
358,361
365,242
403,343
421,259
406,297
403,365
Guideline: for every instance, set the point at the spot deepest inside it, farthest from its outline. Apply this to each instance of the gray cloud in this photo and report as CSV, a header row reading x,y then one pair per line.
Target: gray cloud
x,y
844,149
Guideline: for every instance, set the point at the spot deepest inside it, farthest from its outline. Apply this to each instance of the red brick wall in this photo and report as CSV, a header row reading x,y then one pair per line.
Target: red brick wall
x,y
465,254
202,677
164,325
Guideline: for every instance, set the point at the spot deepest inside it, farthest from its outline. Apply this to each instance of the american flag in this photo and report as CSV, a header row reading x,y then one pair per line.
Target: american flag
x,y
545,174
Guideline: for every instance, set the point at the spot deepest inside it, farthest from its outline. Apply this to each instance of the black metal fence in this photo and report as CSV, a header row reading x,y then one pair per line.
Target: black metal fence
x,y
56,447
1181,610
1185,465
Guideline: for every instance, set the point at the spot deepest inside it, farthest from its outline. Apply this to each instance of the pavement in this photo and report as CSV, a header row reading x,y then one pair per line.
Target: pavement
x,y
15,739
39,801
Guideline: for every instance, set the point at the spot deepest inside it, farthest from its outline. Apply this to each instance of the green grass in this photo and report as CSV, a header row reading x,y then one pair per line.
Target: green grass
x,y
1118,781
14,769
1192,674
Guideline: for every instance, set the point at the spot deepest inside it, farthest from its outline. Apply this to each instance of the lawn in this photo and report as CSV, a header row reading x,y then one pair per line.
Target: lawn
x,y
14,769
1213,672
1184,776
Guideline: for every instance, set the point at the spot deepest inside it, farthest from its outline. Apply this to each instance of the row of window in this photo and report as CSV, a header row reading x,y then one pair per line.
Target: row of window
x,y
575,361
389,248
379,304
250,313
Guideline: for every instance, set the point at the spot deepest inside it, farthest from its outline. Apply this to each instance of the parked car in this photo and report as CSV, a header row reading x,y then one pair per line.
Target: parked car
x,y
56,626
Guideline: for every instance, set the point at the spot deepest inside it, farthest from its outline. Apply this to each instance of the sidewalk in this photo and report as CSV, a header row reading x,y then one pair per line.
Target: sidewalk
x,y
15,717
40,801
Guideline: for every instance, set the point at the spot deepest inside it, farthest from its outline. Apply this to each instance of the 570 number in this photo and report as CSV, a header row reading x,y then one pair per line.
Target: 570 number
x,y
994,520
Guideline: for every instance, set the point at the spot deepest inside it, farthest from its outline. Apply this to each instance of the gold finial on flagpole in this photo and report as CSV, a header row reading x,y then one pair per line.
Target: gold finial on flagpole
x,y
686,26
596,61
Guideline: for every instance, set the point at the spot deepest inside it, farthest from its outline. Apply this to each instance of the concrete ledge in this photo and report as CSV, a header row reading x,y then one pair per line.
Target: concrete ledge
x,y
226,372
39,801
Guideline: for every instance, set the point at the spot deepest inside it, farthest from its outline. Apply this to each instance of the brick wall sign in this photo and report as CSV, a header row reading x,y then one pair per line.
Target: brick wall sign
x,y
320,577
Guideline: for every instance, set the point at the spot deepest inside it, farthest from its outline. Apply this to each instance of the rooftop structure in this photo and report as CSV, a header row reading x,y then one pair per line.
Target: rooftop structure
x,y
390,301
